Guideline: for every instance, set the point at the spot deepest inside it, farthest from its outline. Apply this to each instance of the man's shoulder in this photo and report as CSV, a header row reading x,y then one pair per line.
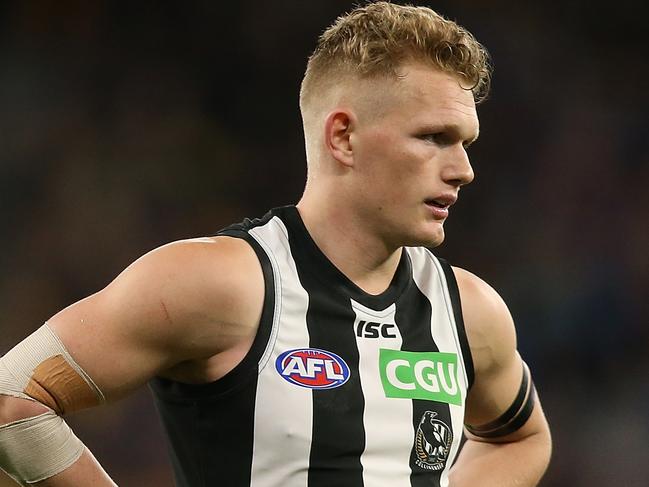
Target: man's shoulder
x,y
488,322
197,256
210,279
215,263
476,289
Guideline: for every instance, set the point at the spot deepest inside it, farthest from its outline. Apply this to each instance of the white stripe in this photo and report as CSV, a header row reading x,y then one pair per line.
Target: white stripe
x,y
277,281
283,411
430,279
388,422
449,306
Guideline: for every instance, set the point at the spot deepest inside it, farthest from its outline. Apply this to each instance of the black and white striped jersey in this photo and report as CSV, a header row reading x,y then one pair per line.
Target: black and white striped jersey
x,y
340,388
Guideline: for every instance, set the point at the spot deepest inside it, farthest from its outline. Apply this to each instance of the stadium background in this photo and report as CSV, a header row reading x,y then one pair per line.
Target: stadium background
x,y
127,125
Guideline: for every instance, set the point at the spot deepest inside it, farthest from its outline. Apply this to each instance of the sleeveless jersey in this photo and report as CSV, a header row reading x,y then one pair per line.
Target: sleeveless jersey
x,y
340,388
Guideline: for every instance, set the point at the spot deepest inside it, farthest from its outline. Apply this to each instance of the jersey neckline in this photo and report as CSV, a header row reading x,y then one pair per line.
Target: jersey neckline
x,y
303,245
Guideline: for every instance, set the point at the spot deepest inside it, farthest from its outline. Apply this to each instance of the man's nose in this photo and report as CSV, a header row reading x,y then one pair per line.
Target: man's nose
x,y
457,169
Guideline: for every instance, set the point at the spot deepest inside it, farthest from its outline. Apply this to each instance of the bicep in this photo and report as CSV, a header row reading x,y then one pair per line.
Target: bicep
x,y
184,301
499,369
140,324
109,336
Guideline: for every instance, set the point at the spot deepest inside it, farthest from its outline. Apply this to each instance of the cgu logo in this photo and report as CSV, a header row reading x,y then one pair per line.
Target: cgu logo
x,y
312,368
420,375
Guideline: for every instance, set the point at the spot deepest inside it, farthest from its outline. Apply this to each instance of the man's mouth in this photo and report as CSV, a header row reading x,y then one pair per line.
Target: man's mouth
x,y
440,204
442,201
437,204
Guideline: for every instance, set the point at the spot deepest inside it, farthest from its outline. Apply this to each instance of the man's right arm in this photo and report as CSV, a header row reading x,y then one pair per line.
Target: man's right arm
x,y
185,301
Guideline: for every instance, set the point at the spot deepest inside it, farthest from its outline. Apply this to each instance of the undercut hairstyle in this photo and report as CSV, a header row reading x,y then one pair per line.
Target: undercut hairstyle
x,y
376,39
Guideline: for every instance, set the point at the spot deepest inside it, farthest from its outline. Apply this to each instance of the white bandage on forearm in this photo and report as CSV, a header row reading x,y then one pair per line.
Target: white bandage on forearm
x,y
37,448
41,369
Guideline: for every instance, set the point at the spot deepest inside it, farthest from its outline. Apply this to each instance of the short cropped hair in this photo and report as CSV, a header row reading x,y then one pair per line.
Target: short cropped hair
x,y
376,39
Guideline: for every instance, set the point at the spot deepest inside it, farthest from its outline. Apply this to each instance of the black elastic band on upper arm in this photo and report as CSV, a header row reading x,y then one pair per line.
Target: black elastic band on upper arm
x,y
516,415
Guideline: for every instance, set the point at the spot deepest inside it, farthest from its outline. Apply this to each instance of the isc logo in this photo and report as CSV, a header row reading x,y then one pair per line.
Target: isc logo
x,y
312,368
372,329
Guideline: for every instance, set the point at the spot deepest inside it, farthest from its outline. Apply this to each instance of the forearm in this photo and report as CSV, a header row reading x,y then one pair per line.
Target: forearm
x,y
516,464
85,471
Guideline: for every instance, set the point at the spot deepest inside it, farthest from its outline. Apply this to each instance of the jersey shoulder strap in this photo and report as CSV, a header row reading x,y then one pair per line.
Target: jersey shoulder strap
x,y
456,303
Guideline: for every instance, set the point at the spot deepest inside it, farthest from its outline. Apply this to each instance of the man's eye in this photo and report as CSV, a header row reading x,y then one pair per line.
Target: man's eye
x,y
438,138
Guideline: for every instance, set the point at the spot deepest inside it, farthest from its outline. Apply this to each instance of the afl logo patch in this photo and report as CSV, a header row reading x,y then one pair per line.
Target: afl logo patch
x,y
312,368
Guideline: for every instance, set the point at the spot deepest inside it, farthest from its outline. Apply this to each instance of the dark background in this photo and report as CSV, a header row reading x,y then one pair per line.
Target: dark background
x,y
125,126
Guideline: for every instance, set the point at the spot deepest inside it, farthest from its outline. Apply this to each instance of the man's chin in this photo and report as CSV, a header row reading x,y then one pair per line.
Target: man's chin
x,y
437,241
429,239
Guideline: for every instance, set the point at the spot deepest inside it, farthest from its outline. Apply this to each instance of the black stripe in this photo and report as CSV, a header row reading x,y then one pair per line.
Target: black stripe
x,y
335,458
516,415
456,303
332,277
508,415
247,368
522,417
179,421
516,423
413,316
338,434
226,431
203,445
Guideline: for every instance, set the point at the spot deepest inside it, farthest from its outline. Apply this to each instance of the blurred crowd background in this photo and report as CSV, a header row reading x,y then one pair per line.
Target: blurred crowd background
x,y
125,125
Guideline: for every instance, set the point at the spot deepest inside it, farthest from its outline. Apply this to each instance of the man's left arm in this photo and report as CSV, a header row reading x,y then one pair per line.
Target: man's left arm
x,y
508,438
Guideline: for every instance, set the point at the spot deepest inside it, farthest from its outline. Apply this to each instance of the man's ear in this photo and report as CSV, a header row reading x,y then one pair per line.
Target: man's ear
x,y
338,128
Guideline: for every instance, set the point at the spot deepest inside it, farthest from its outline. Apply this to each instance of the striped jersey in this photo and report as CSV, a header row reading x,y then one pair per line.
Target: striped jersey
x,y
340,388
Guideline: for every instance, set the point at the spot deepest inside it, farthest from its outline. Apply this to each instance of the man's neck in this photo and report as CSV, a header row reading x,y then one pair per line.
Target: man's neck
x,y
347,242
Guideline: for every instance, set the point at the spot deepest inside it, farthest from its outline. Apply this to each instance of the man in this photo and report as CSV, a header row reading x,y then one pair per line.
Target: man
x,y
323,344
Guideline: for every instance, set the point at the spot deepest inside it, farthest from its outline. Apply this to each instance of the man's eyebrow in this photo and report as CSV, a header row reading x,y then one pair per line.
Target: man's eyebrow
x,y
451,128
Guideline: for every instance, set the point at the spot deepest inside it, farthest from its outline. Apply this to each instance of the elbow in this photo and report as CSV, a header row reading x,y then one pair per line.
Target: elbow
x,y
547,439
542,442
14,409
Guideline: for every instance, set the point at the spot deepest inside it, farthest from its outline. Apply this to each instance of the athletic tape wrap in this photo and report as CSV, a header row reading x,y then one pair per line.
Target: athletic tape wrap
x,y
40,369
516,415
37,448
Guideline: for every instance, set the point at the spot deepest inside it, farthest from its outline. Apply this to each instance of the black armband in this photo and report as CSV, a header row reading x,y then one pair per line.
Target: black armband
x,y
516,415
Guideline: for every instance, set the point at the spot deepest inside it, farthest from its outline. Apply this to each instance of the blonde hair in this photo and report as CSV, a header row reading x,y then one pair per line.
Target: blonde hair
x,y
376,39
